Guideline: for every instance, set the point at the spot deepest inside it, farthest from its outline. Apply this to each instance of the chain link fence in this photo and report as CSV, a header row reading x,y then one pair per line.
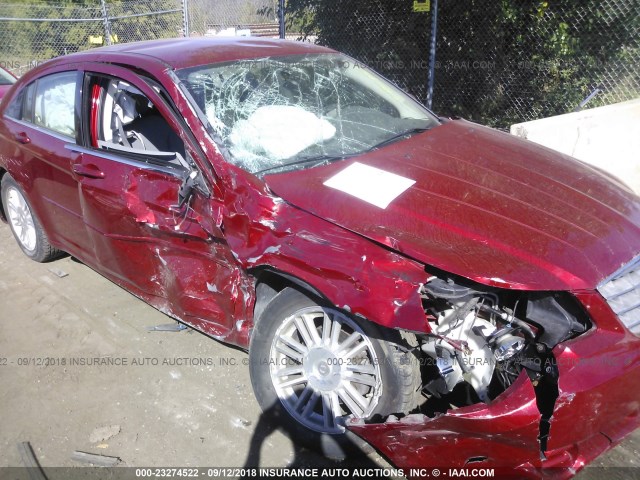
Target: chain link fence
x,y
507,62
233,17
33,33
498,63
135,20
387,36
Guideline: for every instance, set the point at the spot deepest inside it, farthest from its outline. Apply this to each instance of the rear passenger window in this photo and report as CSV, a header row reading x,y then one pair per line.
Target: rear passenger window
x,y
14,110
54,105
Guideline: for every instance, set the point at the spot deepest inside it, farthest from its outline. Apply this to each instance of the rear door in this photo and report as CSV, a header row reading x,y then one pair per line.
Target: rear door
x,y
134,163
41,123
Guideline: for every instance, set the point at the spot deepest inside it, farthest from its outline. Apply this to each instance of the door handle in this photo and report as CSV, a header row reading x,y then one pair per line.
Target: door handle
x,y
88,170
22,137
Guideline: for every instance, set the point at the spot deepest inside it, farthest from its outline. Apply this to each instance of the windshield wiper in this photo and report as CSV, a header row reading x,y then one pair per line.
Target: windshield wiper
x,y
398,136
316,158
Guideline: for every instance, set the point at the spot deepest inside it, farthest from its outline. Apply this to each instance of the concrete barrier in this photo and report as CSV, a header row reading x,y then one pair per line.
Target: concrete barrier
x,y
606,137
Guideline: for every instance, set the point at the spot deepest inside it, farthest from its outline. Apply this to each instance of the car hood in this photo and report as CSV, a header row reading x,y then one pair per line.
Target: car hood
x,y
484,205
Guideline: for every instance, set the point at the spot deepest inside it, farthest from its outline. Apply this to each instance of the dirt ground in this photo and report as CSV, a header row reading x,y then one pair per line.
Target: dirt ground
x,y
159,411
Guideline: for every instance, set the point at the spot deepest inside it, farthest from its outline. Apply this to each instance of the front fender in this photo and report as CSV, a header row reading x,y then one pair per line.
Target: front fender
x,y
350,271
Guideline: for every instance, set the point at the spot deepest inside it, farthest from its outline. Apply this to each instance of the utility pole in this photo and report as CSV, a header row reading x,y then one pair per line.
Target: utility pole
x,y
281,8
107,25
432,53
185,17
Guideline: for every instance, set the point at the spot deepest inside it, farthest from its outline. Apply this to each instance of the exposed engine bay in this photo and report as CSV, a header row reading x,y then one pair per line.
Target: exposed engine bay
x,y
481,340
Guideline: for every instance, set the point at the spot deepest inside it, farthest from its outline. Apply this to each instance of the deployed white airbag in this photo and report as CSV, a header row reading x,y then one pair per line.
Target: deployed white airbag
x,y
55,109
278,132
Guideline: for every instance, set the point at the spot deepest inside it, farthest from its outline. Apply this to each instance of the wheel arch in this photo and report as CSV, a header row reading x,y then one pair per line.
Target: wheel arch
x,y
270,281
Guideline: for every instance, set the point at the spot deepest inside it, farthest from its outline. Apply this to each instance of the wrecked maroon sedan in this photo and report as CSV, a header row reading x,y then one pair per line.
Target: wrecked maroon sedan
x,y
453,295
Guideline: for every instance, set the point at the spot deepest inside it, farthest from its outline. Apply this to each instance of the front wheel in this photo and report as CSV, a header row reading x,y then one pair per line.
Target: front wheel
x,y
315,366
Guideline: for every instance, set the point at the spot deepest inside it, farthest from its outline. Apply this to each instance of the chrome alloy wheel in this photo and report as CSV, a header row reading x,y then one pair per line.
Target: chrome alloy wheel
x,y
324,369
21,219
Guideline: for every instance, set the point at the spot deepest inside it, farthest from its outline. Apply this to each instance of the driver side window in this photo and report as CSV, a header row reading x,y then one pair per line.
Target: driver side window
x,y
123,119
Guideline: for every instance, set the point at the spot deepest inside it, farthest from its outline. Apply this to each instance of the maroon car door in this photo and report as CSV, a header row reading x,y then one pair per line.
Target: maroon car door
x,y
41,123
133,166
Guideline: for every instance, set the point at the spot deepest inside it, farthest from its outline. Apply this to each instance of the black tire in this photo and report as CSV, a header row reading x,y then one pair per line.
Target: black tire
x,y
399,374
41,251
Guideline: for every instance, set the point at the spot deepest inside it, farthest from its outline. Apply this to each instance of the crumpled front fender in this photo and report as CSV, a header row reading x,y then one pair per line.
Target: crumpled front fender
x,y
349,270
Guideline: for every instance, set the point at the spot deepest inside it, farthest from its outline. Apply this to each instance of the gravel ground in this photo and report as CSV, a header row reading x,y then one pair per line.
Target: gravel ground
x,y
155,410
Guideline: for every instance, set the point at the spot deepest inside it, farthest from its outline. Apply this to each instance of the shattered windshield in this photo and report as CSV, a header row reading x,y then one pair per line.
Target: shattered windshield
x,y
281,113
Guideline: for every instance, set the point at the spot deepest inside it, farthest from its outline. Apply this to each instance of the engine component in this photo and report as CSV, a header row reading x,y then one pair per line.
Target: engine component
x,y
486,337
461,352
447,289
474,338
507,346
557,322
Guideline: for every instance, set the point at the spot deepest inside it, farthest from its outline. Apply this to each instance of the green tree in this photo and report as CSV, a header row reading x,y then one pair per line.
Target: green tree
x,y
499,62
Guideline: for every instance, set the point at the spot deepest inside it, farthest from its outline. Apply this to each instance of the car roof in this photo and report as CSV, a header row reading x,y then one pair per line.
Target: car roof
x,y
194,51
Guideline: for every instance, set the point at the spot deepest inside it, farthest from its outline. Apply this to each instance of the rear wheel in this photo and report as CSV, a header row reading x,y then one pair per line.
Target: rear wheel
x,y
25,226
314,366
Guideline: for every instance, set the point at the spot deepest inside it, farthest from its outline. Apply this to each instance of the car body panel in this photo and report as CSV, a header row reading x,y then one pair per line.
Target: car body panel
x,y
265,232
190,52
484,208
46,175
177,260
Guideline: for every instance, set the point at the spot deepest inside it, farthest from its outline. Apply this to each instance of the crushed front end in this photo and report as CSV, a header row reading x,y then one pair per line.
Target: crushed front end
x,y
529,384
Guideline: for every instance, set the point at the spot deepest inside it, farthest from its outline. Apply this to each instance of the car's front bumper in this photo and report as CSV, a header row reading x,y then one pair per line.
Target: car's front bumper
x,y
597,406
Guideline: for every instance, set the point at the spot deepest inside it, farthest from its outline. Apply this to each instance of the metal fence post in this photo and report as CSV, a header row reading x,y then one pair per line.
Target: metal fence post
x,y
185,17
281,9
432,54
107,25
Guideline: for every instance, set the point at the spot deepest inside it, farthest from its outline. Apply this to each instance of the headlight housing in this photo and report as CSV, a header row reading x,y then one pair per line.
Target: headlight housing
x,y
622,292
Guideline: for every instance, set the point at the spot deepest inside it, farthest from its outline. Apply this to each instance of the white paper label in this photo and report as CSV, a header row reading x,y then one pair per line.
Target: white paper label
x,y
375,186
